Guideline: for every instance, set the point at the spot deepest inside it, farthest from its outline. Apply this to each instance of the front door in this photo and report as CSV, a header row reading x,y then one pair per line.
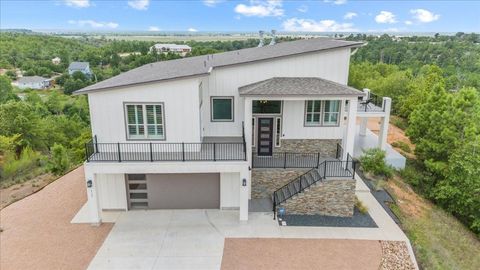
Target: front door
x,y
265,136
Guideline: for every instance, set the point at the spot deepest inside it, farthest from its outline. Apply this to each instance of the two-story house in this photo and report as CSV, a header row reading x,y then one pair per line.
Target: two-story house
x,y
222,130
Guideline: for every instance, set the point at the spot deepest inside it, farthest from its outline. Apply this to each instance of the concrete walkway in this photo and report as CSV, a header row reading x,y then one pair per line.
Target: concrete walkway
x,y
187,239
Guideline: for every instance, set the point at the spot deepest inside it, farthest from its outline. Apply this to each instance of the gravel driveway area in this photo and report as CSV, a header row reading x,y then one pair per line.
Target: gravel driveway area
x,y
37,233
274,253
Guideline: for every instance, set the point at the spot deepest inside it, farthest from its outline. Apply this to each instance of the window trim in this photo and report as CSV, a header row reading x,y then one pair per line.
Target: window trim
x,y
322,113
144,112
232,98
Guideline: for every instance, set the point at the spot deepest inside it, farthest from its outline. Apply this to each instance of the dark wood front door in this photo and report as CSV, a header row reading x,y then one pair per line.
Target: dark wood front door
x,y
265,136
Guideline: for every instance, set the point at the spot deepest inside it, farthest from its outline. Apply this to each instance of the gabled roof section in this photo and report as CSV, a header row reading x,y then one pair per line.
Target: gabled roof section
x,y
201,65
32,79
298,86
78,65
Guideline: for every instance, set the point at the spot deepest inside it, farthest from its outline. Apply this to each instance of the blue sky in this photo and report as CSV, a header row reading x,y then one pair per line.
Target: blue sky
x,y
250,15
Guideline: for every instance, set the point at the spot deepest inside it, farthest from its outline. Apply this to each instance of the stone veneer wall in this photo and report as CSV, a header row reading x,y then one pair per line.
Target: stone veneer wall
x,y
331,198
266,181
326,148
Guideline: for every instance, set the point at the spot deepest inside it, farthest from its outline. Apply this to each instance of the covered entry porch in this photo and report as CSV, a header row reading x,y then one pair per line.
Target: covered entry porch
x,y
289,117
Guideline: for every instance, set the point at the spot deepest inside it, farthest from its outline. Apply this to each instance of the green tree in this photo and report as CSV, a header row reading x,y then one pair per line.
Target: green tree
x,y
59,162
6,90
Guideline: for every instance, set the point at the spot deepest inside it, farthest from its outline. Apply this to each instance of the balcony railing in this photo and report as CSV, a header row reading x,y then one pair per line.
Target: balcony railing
x,y
373,103
152,152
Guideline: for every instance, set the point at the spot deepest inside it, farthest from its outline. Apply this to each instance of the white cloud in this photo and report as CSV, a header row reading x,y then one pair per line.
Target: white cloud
x,y
270,8
350,15
336,2
302,8
78,3
308,25
153,28
408,22
192,29
211,3
385,17
94,24
139,4
424,16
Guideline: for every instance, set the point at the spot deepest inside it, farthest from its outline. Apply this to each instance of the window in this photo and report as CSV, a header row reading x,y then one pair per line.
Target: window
x,y
322,113
222,109
313,113
278,131
253,131
267,106
145,121
331,111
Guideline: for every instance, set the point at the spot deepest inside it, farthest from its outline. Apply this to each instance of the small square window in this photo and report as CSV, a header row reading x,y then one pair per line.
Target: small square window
x,y
222,109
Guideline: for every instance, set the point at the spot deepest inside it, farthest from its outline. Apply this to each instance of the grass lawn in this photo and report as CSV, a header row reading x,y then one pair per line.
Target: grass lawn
x,y
440,241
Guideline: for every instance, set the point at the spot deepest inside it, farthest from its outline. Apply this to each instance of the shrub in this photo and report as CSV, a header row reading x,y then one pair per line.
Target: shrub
x,y
59,162
373,161
402,145
17,169
360,206
399,122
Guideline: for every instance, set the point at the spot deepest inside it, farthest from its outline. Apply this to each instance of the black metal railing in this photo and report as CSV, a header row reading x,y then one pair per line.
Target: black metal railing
x,y
324,170
373,103
286,160
120,152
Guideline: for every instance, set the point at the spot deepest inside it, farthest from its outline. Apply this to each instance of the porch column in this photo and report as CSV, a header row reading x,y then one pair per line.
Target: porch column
x,y
244,193
350,128
248,138
364,120
383,134
92,196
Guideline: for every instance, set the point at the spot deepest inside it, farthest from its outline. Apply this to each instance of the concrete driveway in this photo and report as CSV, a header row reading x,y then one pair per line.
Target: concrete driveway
x,y
175,239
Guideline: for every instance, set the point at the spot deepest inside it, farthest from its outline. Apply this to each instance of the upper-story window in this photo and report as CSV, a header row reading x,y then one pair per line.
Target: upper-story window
x,y
322,113
222,109
145,121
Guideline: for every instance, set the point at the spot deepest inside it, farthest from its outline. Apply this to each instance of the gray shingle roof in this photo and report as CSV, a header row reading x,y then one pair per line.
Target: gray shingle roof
x,y
31,79
292,86
78,65
200,65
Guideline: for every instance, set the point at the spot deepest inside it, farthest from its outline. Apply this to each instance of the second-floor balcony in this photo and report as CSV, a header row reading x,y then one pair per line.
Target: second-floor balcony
x,y
158,152
371,104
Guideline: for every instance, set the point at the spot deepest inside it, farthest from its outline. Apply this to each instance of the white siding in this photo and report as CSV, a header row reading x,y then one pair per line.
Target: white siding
x,y
331,65
112,191
180,98
294,119
229,190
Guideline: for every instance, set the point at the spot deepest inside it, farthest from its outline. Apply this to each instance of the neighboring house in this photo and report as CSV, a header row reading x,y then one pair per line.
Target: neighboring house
x,y
56,61
165,48
83,67
33,82
222,130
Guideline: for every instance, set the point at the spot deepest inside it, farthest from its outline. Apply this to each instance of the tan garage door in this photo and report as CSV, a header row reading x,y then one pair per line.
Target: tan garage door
x,y
183,191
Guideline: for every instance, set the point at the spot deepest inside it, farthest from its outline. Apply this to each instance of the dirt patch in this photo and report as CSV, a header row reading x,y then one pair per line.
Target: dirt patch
x,y
395,256
407,200
37,233
281,253
19,191
395,134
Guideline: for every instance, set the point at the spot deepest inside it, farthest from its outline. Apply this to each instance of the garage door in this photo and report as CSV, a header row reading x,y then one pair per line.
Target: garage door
x,y
177,191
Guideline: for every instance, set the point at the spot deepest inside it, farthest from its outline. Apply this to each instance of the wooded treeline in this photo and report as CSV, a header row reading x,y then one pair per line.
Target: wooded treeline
x,y
434,83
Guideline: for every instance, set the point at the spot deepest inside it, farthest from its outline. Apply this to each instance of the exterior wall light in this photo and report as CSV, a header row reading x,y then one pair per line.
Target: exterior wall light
x,y
244,182
89,183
